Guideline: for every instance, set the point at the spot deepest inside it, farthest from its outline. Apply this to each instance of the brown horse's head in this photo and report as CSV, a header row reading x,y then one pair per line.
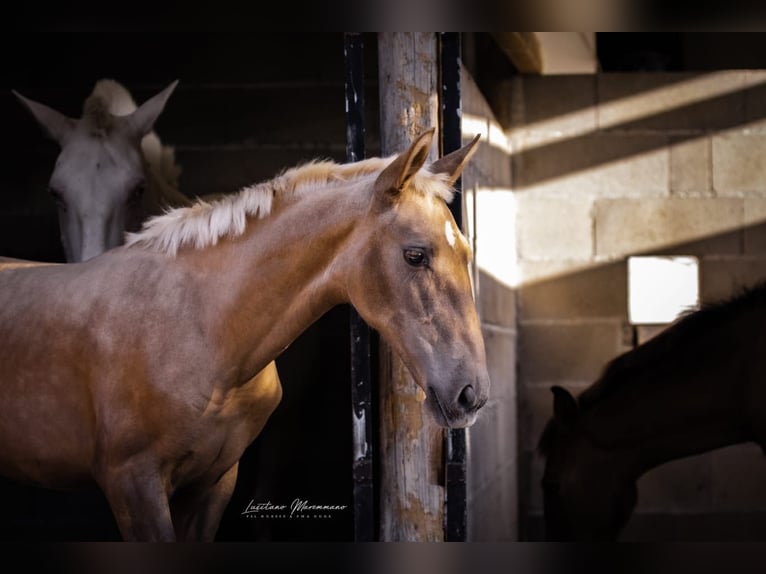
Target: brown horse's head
x,y
587,496
413,283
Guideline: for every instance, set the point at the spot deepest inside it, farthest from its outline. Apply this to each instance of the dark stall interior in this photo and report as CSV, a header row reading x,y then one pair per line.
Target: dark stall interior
x,y
247,106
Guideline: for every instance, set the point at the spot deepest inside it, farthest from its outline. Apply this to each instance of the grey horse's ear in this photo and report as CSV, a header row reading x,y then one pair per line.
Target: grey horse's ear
x,y
453,163
141,121
565,408
57,126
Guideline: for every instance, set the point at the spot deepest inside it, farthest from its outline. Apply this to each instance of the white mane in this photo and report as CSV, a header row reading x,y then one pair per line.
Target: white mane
x,y
203,223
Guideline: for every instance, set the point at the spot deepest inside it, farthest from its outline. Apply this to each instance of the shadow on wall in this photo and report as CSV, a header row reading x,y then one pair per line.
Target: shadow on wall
x,y
579,124
571,325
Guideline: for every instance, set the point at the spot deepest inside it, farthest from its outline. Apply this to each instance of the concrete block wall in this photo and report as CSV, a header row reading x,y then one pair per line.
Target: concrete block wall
x,y
610,165
489,223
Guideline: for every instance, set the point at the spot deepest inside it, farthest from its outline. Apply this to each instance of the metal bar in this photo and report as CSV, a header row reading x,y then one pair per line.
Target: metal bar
x,y
361,373
455,498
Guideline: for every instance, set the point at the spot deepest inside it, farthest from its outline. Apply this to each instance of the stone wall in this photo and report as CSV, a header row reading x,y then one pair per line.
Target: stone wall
x,y
610,165
488,220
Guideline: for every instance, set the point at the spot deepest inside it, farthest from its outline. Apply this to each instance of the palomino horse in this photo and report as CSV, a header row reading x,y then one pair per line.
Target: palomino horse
x,y
141,369
112,171
695,387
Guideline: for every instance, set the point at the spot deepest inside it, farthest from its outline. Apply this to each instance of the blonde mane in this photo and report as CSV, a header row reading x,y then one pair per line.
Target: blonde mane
x,y
203,223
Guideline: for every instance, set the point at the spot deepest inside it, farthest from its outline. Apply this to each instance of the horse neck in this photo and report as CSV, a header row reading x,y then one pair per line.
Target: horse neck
x,y
666,412
280,276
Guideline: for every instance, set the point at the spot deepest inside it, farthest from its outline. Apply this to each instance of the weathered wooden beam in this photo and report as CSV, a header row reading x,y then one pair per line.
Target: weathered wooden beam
x,y
522,49
411,444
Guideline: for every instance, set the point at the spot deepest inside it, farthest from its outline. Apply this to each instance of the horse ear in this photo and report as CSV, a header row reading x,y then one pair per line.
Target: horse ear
x,y
400,172
565,408
453,163
56,125
141,121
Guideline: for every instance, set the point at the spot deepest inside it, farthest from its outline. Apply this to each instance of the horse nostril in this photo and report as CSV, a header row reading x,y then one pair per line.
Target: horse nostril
x,y
467,398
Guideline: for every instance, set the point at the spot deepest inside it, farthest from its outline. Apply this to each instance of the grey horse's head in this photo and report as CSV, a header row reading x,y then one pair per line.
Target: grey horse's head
x,y
101,177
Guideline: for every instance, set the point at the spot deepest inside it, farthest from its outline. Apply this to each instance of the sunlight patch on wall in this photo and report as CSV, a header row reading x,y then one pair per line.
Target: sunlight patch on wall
x,y
496,253
491,132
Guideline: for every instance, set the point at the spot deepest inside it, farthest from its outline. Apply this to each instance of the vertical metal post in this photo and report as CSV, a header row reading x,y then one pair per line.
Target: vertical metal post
x,y
361,373
455,499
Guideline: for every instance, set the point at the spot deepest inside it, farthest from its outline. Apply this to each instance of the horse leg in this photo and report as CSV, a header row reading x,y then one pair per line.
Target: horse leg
x,y
139,503
197,512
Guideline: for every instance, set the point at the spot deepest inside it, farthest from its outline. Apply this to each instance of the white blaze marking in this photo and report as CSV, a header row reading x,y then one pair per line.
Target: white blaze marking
x,y
450,233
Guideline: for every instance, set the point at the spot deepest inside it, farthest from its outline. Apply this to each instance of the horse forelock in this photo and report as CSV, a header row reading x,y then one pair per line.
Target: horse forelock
x,y
205,222
109,99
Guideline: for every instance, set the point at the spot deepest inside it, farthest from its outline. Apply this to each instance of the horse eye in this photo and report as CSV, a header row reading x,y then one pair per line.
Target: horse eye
x,y
415,257
137,192
57,197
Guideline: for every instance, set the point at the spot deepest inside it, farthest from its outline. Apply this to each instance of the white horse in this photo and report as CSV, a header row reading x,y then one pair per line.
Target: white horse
x,y
112,172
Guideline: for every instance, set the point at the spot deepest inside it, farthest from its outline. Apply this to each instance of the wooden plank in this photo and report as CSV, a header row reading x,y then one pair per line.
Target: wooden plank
x,y
411,494
522,49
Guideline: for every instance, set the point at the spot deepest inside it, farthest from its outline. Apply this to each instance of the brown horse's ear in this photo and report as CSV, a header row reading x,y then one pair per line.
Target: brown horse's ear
x,y
56,125
565,408
453,163
400,172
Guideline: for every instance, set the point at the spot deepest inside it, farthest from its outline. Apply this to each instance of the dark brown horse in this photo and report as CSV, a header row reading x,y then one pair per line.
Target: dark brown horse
x,y
697,386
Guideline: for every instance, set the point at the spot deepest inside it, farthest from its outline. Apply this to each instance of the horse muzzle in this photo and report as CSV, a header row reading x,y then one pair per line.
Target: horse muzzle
x,y
460,410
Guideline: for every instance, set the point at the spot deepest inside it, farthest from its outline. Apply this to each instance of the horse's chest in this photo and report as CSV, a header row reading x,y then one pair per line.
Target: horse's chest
x,y
223,432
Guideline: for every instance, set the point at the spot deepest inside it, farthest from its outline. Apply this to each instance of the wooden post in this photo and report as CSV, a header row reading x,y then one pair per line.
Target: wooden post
x,y
411,444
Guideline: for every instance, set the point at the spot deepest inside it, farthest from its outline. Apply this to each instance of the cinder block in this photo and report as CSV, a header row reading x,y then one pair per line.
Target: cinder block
x,y
683,485
690,170
738,166
563,291
554,228
693,225
493,511
490,167
755,221
671,101
561,105
724,278
739,476
646,332
598,165
472,100
497,301
755,100
256,115
500,345
567,352
493,444
228,170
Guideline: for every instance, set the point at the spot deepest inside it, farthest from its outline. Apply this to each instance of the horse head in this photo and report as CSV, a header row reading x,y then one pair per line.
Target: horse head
x,y
586,494
413,283
100,176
